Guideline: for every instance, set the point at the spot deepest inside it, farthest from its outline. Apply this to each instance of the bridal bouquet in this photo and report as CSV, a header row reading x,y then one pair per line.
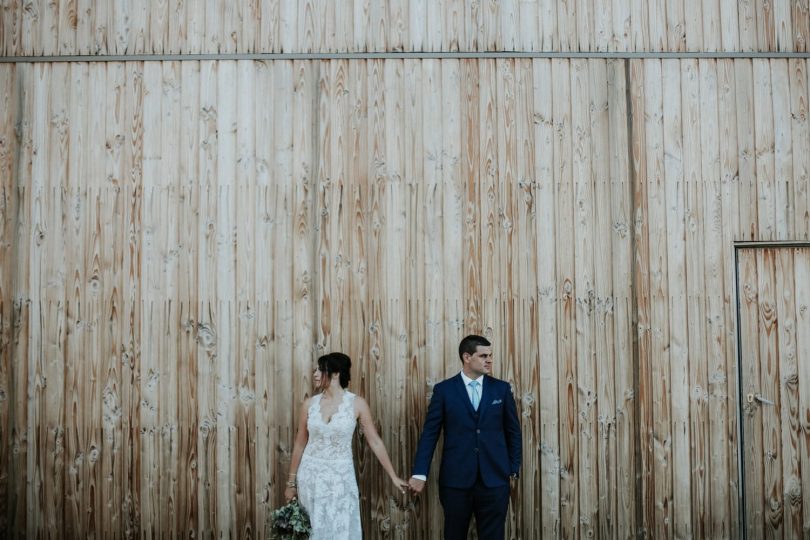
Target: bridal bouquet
x,y
290,522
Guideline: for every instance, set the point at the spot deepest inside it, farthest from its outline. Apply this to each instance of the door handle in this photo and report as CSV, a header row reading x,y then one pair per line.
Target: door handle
x,y
758,397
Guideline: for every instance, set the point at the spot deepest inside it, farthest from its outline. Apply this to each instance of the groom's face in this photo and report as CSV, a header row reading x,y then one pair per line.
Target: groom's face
x,y
479,363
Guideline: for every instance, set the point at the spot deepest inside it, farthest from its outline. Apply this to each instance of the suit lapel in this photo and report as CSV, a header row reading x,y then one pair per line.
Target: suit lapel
x,y
486,394
463,395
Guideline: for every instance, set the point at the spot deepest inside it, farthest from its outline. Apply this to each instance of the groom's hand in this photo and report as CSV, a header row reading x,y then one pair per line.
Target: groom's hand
x,y
416,485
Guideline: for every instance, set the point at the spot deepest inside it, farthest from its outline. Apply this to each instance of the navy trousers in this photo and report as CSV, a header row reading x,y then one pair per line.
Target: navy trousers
x,y
488,505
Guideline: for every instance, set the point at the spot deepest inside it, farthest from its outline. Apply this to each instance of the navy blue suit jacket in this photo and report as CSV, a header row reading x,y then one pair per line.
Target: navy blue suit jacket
x,y
486,442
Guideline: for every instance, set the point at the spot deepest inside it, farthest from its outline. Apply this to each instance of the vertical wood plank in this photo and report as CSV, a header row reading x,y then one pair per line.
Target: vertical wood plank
x,y
638,25
675,202
729,25
641,284
800,18
74,267
801,269
765,25
585,297
417,25
621,22
171,250
48,22
149,406
769,322
453,28
696,294
470,156
549,466
800,138
548,24
789,392
716,333
435,340
605,332
622,249
748,13
764,140
751,422
604,39
46,395
360,35
177,33
567,25
489,164
10,29
227,338
11,102
206,329
783,152
529,35
66,26
97,262
112,371
659,303
657,21
133,305
711,26
566,300
730,181
158,35
747,220
783,27
452,210
526,341
248,285
281,176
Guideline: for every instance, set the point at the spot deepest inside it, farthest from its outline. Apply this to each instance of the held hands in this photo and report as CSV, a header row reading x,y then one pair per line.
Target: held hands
x,y
401,484
416,485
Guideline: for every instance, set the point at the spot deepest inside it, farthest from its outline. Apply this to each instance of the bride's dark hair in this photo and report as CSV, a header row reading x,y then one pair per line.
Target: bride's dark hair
x,y
339,363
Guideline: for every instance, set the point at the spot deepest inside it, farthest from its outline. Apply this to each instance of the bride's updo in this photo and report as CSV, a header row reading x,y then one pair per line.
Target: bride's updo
x,y
339,363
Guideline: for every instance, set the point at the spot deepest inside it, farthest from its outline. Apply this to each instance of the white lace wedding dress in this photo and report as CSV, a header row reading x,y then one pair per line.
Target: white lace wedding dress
x,y
327,487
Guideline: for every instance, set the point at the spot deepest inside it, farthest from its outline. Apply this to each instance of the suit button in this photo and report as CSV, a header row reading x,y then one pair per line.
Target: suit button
x,y
476,450
478,431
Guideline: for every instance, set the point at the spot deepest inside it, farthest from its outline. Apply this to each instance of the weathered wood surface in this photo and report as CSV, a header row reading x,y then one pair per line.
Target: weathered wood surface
x,y
180,240
774,286
71,27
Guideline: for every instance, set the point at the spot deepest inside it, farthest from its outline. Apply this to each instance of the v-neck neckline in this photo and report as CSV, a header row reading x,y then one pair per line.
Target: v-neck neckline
x,y
331,416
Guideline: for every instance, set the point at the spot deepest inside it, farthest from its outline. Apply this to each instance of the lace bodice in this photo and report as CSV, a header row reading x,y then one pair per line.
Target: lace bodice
x,y
331,440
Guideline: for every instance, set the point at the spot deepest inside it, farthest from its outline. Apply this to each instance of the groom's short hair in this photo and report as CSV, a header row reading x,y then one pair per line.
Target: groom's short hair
x,y
470,344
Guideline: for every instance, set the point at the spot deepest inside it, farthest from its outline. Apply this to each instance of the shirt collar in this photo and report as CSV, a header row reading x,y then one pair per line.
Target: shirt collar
x,y
468,380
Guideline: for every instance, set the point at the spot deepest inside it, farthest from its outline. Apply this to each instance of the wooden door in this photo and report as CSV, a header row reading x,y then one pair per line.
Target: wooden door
x,y
773,294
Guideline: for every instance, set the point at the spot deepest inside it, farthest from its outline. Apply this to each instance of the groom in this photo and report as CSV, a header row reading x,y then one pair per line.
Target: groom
x,y
481,445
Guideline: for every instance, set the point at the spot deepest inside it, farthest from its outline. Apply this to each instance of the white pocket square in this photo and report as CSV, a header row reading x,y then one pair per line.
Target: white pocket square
x,y
497,401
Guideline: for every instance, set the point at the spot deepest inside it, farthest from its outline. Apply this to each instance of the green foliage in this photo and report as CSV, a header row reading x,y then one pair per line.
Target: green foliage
x,y
290,522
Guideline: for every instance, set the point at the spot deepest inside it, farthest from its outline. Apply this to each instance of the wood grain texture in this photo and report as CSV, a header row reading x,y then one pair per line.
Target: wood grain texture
x,y
69,27
181,240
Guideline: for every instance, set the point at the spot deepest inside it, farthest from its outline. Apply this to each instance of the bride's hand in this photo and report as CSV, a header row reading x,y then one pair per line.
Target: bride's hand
x,y
290,493
402,485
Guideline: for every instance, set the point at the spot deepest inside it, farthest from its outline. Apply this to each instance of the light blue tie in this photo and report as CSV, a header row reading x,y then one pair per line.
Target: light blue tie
x,y
474,397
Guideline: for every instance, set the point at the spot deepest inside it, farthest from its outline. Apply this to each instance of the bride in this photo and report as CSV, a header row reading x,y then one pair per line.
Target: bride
x,y
321,468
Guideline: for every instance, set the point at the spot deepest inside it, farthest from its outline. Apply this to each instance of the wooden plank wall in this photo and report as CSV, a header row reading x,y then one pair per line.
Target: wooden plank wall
x,y
175,257
773,318
721,157
180,240
57,27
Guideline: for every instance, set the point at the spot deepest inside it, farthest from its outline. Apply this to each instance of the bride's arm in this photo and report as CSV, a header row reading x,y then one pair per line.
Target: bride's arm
x,y
375,442
301,438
